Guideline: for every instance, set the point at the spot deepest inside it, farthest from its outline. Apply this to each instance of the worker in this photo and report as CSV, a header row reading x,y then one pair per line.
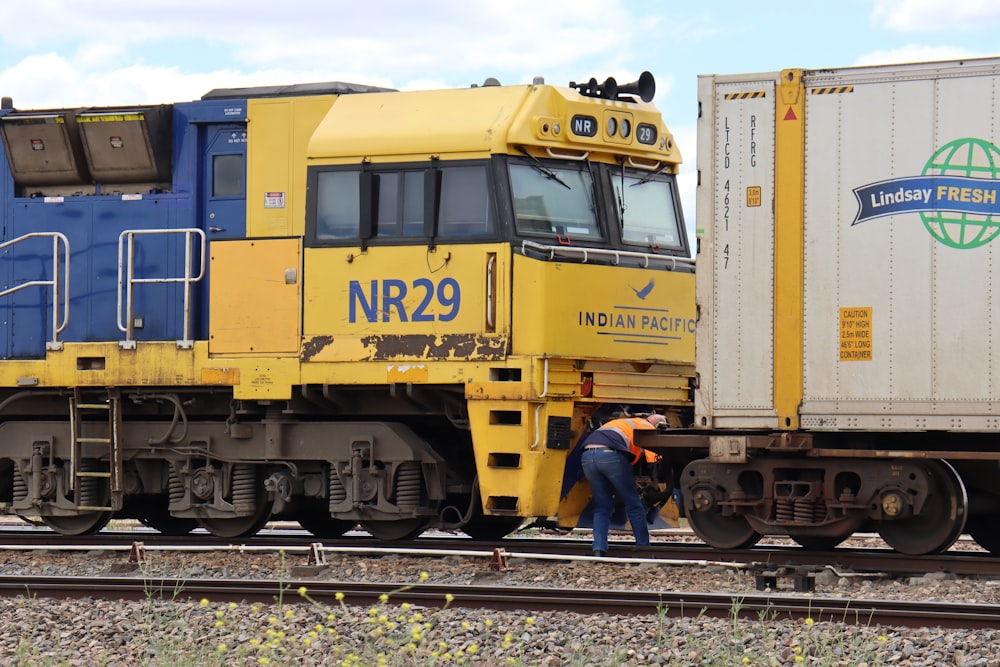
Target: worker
x,y
609,454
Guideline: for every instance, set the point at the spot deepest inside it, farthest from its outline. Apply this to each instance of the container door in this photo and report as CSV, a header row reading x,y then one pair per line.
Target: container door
x,y
224,185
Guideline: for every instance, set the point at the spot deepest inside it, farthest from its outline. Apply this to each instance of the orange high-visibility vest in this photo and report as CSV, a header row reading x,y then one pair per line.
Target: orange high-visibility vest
x,y
625,430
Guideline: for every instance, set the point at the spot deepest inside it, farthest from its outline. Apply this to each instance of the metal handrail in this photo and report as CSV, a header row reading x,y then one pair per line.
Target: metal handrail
x,y
640,165
57,293
579,157
127,279
583,254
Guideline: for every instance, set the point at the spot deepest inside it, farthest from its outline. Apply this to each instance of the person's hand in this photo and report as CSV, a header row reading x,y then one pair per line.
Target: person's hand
x,y
651,457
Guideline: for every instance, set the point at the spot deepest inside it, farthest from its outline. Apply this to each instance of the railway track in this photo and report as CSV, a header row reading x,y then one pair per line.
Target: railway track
x,y
585,601
774,603
857,560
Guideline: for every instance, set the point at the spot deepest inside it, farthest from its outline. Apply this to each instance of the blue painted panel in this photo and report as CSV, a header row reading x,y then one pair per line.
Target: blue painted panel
x,y
30,309
6,270
93,225
156,256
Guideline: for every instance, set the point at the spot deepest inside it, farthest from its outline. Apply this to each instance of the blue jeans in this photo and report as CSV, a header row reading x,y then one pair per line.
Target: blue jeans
x,y
610,475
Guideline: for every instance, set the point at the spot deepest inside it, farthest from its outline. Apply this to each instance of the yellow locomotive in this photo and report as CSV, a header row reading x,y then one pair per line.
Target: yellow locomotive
x,y
333,303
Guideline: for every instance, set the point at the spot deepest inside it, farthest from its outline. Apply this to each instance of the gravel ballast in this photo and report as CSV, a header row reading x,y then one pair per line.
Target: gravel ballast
x,y
95,631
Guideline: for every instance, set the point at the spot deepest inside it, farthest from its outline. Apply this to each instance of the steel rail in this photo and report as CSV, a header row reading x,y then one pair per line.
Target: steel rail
x,y
841,559
749,607
859,560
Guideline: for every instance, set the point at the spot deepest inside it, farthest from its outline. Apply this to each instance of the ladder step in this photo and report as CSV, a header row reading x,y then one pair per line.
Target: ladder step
x,y
93,406
95,508
91,473
103,441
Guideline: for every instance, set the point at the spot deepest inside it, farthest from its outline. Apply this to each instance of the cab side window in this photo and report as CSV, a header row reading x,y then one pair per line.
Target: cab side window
x,y
465,203
392,204
338,205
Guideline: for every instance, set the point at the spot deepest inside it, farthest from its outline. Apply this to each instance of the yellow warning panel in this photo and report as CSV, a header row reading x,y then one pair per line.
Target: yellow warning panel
x,y
856,334
753,195
255,294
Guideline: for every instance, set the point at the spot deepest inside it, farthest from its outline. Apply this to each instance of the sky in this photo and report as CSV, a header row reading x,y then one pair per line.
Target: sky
x,y
64,53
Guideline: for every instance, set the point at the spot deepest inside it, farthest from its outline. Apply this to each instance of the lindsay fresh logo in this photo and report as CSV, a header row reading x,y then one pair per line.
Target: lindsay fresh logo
x,y
957,195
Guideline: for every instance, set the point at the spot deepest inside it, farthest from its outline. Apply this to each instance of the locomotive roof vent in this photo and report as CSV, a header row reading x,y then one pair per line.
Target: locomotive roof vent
x,y
127,145
43,148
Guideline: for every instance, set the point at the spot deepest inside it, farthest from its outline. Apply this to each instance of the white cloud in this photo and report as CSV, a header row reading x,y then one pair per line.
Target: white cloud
x,y
104,55
937,16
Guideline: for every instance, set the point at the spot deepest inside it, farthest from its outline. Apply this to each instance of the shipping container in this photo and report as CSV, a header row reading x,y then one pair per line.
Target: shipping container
x,y
847,287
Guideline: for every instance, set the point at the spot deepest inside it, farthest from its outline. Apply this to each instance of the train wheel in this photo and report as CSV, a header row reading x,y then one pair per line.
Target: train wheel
x,y
492,527
169,525
482,526
248,490
722,532
401,529
81,524
240,526
153,512
826,542
314,515
325,526
91,491
941,521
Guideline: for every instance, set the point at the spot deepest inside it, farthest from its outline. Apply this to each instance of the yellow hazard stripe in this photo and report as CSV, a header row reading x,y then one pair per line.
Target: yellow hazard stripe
x,y
35,120
832,90
751,95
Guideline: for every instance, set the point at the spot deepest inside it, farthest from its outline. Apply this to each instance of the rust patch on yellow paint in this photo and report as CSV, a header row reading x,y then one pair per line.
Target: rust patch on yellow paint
x,y
429,346
314,346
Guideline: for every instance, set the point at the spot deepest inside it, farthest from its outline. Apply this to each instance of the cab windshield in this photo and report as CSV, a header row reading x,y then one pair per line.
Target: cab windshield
x,y
554,201
647,214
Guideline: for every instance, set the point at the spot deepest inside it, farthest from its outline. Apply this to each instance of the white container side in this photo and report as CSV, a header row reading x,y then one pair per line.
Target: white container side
x,y
901,296
736,198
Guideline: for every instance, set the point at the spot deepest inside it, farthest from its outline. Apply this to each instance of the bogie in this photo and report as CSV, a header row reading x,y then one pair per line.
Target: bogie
x,y
918,507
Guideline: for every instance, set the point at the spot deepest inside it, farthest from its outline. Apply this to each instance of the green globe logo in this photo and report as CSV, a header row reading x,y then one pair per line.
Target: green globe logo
x,y
972,158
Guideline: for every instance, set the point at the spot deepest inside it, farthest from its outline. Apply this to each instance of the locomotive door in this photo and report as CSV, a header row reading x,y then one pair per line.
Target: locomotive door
x,y
224,206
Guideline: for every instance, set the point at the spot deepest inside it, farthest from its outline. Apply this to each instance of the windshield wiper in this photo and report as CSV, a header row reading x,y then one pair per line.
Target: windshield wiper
x,y
647,178
542,169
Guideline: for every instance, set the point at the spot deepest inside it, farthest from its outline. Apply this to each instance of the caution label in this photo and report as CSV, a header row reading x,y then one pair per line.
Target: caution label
x,y
274,200
856,334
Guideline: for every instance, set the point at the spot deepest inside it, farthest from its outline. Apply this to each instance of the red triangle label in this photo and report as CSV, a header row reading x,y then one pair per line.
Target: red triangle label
x,y
790,115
